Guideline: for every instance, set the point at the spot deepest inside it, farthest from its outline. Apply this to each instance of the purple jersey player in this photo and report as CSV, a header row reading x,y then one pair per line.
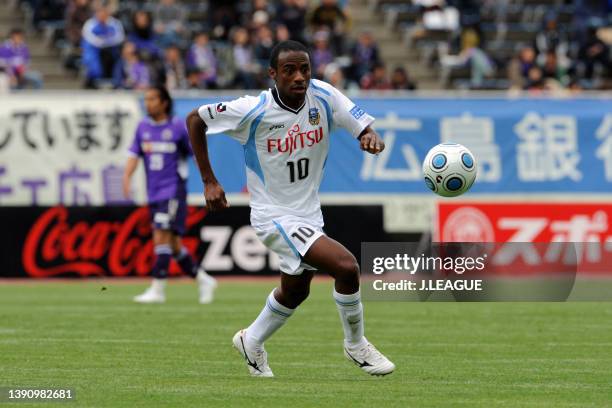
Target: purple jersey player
x,y
162,142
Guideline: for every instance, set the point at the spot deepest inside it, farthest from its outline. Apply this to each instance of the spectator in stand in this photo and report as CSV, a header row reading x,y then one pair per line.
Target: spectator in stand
x,y
550,37
364,55
535,79
282,33
330,16
401,81
102,36
292,15
263,48
519,67
261,14
193,78
472,56
551,70
263,52
77,13
321,53
223,16
15,57
244,60
174,73
593,53
333,75
202,59
143,36
170,22
438,15
377,79
48,12
130,72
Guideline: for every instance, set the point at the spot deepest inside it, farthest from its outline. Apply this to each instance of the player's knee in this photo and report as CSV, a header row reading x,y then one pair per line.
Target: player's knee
x,y
292,297
347,268
298,295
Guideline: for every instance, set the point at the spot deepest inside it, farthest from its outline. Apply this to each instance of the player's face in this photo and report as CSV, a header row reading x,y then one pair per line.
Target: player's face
x,y
154,105
292,74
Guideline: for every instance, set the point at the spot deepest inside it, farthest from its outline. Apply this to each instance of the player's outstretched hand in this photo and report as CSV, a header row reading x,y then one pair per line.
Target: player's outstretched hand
x,y
371,142
215,197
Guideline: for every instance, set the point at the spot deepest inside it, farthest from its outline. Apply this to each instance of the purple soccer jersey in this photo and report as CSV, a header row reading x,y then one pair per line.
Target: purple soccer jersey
x,y
165,149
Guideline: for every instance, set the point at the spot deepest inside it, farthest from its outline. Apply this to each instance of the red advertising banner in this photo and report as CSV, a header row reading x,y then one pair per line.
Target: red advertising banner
x,y
49,242
586,224
55,246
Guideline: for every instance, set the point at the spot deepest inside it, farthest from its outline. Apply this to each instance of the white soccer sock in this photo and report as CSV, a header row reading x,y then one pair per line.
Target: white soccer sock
x,y
271,318
351,316
159,285
202,275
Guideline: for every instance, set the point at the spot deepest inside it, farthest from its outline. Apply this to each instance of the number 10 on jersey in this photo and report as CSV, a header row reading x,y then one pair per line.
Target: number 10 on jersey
x,y
302,169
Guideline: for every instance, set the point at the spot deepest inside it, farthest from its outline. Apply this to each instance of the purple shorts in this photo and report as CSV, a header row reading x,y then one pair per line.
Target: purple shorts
x,y
169,215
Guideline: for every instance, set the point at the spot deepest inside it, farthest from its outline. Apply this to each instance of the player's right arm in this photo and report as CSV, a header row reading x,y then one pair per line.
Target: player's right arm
x,y
213,192
134,154
232,118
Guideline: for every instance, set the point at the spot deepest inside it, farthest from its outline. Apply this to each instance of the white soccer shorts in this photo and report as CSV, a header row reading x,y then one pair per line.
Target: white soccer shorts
x,y
290,237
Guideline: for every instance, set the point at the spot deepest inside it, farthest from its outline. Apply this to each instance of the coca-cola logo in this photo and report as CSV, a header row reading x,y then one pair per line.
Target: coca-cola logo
x,y
55,246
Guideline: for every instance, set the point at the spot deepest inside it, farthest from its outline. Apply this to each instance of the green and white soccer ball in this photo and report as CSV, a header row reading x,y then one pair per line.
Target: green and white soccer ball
x,y
449,169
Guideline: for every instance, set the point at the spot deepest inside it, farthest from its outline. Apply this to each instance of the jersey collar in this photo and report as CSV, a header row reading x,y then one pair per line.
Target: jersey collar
x,y
280,103
160,123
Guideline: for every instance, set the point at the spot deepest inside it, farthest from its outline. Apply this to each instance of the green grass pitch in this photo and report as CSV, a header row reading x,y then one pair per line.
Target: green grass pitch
x,y
118,354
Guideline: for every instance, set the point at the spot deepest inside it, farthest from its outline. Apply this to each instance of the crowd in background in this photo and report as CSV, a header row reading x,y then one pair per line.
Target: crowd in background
x,y
226,44
573,53
133,44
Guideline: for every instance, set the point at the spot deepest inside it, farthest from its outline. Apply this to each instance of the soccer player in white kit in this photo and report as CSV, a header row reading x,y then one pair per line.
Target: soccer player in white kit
x,y
285,134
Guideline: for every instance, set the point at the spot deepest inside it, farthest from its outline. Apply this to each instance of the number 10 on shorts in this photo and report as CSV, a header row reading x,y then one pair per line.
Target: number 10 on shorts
x,y
303,233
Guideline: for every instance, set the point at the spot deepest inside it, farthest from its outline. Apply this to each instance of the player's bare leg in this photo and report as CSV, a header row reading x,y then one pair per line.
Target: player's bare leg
x,y
156,293
280,305
329,255
206,283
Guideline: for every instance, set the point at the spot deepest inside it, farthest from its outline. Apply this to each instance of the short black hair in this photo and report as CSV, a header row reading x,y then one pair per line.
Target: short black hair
x,y
164,95
288,45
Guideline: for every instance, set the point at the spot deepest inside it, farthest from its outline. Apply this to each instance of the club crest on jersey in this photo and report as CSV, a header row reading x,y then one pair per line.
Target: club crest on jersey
x,y
221,108
166,134
313,116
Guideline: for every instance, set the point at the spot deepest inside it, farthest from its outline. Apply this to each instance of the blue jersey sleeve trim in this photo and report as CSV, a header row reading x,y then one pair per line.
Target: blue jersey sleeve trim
x,y
252,112
328,112
318,88
250,150
286,238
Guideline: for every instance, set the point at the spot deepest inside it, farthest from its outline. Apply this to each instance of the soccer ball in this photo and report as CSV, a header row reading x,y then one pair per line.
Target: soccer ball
x,y
449,169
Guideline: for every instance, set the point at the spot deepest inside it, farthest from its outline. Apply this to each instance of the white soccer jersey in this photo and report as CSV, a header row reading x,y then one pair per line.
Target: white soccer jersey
x,y
285,150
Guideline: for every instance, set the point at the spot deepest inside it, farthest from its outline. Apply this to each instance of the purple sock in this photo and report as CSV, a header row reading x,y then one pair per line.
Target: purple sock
x,y
186,262
164,254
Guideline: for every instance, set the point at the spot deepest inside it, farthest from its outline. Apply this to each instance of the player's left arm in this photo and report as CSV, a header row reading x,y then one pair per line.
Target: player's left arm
x,y
355,120
370,141
128,171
